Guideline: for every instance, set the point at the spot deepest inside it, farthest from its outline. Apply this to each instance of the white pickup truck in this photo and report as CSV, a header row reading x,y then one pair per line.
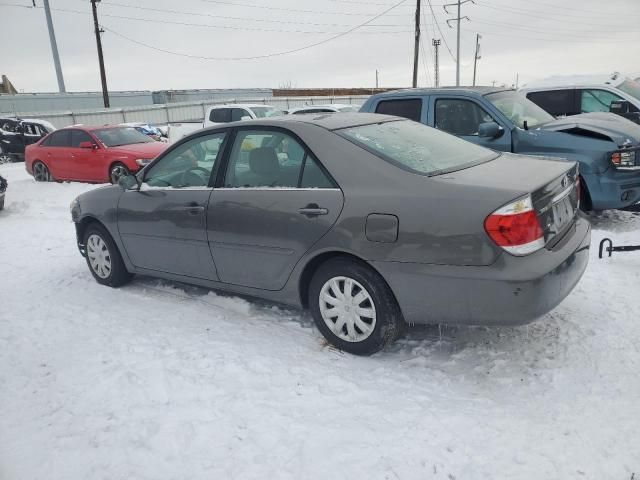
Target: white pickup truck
x,y
219,114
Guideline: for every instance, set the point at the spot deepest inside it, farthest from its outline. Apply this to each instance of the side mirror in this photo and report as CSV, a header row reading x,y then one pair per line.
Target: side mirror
x,y
245,117
489,130
620,107
128,182
87,145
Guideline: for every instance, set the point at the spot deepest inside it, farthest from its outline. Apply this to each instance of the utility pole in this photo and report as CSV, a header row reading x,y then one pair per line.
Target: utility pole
x,y
459,4
376,78
416,47
103,75
54,47
476,57
436,45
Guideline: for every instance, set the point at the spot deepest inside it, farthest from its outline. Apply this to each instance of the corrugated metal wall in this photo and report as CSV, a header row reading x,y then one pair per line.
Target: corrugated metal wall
x,y
215,94
172,112
52,102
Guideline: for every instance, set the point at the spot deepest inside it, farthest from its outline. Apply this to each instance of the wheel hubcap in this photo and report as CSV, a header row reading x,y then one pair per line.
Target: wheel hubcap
x,y
99,256
117,172
40,172
5,158
347,309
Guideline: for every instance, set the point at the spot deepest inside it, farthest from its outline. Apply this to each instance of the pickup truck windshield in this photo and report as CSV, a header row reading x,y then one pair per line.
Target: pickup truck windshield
x,y
519,109
416,147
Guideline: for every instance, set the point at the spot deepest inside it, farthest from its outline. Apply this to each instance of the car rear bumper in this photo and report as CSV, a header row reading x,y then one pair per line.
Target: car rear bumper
x,y
607,190
512,291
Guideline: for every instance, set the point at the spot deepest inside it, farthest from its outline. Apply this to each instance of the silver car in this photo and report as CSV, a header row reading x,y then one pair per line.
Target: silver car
x,y
370,221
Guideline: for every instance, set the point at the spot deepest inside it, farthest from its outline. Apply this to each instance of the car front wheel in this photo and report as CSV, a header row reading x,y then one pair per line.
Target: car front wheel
x,y
103,257
353,307
117,171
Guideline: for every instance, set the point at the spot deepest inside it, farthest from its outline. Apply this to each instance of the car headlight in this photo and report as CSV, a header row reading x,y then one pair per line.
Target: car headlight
x,y
143,162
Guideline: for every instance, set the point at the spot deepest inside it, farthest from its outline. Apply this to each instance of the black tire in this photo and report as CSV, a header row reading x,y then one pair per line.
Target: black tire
x,y
116,171
41,172
117,274
389,323
2,203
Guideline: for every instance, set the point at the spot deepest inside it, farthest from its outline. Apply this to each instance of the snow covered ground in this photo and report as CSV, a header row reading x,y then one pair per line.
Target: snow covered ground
x,y
159,380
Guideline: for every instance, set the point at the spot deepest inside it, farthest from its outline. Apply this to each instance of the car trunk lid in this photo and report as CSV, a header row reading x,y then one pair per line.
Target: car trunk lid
x,y
551,184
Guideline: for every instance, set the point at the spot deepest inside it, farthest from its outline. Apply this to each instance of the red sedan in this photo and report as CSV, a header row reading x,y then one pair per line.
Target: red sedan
x,y
90,154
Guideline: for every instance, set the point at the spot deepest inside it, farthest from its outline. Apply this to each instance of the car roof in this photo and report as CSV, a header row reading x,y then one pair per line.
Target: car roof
x,y
556,81
91,128
407,92
329,121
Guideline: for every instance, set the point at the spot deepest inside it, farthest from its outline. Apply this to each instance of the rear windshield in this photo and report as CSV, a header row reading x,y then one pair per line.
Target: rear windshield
x,y
114,137
416,147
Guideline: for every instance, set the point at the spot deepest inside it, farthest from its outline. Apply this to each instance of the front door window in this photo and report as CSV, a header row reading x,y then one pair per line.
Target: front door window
x,y
189,165
460,117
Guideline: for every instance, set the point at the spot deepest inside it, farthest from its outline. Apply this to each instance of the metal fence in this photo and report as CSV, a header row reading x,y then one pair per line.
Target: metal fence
x,y
173,112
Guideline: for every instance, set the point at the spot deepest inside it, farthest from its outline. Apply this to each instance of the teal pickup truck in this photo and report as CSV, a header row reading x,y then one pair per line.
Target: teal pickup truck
x,y
606,145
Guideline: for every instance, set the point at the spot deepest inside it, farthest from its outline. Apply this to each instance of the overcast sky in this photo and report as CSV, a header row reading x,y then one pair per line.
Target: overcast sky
x,y
532,38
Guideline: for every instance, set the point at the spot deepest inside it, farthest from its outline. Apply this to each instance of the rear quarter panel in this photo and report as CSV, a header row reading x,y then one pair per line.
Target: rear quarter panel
x,y
439,222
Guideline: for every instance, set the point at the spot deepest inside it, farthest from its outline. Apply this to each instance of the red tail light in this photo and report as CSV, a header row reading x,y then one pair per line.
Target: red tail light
x,y
516,228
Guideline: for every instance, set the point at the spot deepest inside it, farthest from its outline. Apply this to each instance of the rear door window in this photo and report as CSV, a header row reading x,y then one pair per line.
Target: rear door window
x,y
556,102
596,100
273,159
61,138
460,117
410,108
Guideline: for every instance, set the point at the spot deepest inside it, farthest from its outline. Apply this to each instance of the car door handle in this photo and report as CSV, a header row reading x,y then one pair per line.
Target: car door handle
x,y
313,210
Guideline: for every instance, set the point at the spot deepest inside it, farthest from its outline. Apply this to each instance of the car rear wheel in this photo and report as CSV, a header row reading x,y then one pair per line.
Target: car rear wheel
x,y
4,157
41,172
353,307
103,257
117,171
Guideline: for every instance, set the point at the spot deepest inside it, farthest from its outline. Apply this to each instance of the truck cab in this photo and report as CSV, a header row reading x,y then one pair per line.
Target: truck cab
x,y
606,146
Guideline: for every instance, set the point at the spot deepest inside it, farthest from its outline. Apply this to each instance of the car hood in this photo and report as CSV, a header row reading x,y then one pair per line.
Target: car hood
x,y
141,150
598,125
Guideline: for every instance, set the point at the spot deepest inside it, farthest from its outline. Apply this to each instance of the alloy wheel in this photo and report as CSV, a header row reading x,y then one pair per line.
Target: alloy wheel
x,y
99,256
347,309
41,172
5,158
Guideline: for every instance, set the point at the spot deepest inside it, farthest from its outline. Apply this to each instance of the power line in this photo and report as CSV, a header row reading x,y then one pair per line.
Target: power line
x,y
567,34
435,20
283,9
255,57
536,14
582,10
229,27
226,17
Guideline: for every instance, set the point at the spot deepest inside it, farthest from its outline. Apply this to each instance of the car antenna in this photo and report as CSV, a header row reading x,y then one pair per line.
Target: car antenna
x,y
525,125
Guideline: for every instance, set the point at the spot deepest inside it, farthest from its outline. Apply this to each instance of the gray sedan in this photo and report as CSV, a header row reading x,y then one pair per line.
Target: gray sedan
x,y
370,221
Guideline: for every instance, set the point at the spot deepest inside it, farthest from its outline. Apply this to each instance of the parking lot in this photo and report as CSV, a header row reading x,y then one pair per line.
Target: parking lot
x,y
163,380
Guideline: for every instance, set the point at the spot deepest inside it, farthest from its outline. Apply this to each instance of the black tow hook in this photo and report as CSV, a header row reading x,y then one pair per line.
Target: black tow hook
x,y
611,248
